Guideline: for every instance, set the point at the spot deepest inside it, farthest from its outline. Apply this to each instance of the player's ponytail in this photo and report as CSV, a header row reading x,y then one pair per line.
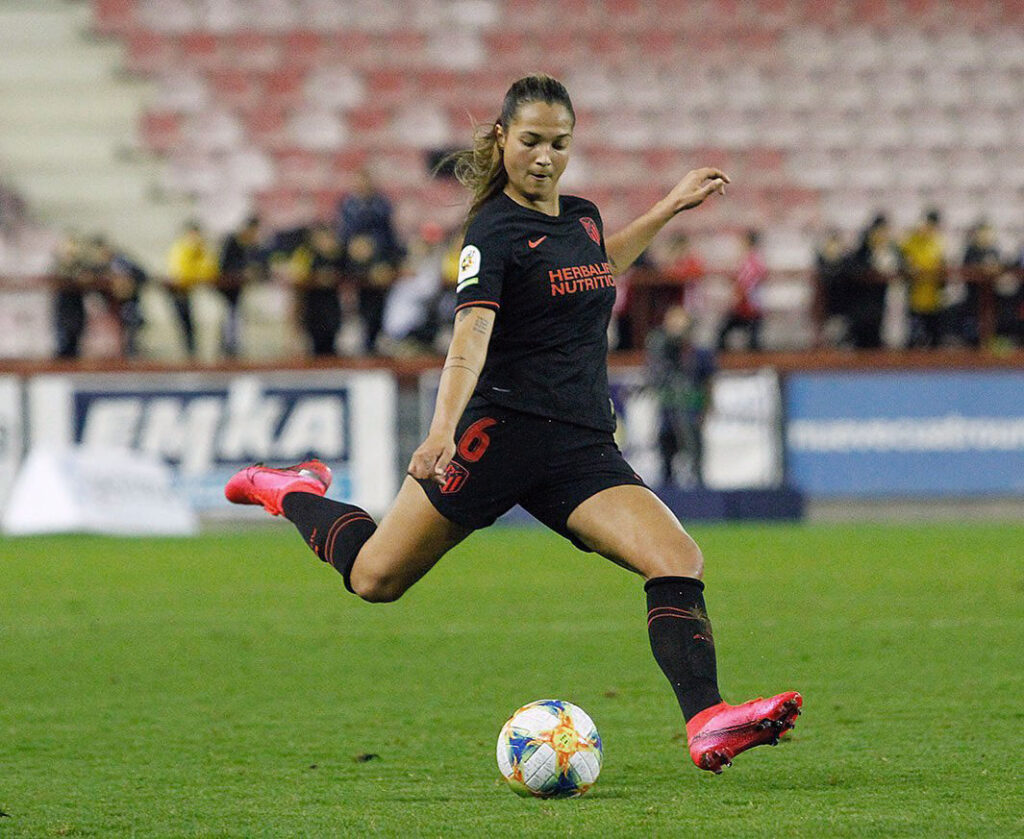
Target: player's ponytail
x,y
480,168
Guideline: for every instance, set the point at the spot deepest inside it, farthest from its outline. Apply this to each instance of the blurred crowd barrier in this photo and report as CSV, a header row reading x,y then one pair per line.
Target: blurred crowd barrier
x,y
796,308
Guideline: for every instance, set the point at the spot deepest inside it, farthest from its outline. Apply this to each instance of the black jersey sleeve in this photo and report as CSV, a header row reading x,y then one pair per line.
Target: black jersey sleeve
x,y
483,263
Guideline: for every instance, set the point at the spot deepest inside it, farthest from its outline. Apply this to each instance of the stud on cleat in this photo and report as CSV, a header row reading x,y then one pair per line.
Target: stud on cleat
x,y
715,762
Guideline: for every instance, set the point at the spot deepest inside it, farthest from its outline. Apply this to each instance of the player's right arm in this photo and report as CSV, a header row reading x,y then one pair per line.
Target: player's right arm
x,y
483,263
466,355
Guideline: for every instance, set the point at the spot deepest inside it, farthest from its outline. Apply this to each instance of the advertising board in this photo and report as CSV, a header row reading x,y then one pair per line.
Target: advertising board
x,y
205,426
906,434
11,443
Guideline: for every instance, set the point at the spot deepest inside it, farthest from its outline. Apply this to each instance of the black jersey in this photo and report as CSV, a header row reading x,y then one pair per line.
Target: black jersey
x,y
550,283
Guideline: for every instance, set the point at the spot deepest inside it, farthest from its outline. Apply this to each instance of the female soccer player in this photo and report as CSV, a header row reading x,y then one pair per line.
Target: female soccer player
x,y
523,416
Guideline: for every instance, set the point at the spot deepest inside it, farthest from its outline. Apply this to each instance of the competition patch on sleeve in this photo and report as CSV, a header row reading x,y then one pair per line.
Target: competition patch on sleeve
x,y
469,263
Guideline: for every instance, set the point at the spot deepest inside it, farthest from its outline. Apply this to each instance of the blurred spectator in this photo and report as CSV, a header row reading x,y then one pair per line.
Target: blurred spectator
x,y
12,209
72,284
746,307
873,266
627,300
924,259
191,263
443,305
835,294
372,251
982,265
120,280
680,375
316,271
685,267
243,260
410,314
1009,294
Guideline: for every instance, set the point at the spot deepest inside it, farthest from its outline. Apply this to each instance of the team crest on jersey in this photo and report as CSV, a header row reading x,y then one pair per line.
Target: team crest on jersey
x,y
591,227
469,262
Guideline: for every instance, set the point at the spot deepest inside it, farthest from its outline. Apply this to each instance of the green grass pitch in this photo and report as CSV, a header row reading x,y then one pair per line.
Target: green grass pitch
x,y
228,686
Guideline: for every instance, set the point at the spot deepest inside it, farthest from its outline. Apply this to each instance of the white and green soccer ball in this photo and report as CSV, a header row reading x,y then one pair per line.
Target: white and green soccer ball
x,y
550,749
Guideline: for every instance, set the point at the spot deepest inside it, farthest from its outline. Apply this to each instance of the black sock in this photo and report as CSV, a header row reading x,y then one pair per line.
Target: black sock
x,y
333,530
681,641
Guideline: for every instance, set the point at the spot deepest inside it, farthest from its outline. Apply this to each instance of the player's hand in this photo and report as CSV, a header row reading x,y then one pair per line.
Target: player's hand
x,y
697,185
431,459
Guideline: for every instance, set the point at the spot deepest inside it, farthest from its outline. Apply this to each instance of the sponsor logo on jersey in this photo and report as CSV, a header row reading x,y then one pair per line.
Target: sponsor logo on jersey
x,y
591,227
469,262
576,278
534,242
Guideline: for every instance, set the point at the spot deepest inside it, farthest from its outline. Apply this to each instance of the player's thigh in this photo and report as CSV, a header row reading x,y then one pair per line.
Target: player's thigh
x,y
631,526
409,541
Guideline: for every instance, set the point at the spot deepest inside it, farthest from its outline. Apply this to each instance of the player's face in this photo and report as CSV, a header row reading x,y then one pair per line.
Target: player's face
x,y
535,149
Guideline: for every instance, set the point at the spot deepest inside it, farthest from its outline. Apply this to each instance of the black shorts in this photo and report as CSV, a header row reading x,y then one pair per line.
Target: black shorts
x,y
505,457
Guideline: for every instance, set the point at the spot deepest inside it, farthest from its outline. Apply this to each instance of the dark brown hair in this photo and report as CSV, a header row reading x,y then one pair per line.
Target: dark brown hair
x,y
480,168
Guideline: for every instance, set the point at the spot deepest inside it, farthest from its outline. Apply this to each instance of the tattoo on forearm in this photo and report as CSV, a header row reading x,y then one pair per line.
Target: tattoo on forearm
x,y
481,326
461,316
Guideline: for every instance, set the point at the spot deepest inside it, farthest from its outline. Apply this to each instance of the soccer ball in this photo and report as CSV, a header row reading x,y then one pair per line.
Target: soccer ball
x,y
550,749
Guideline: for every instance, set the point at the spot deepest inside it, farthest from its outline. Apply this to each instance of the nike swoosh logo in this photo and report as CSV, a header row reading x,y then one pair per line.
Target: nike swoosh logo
x,y
534,242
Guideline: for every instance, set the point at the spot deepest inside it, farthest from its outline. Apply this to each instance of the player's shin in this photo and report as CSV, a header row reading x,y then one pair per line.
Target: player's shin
x,y
682,642
333,530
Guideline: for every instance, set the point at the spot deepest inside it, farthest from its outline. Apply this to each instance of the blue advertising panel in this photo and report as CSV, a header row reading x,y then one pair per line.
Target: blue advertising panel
x,y
908,434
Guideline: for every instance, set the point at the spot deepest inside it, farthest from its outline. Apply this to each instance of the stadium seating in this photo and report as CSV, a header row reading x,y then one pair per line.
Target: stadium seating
x,y
804,103
823,113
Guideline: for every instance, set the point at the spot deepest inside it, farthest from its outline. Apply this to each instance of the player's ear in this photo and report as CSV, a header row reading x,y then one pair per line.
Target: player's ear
x,y
499,136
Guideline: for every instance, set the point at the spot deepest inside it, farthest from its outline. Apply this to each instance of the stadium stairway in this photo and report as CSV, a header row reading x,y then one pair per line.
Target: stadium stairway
x,y
68,138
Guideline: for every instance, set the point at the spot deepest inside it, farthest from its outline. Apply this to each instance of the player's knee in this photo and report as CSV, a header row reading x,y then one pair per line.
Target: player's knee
x,y
681,559
695,562
375,587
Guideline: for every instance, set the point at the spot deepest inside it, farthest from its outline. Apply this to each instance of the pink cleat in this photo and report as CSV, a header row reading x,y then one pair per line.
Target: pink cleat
x,y
262,485
719,733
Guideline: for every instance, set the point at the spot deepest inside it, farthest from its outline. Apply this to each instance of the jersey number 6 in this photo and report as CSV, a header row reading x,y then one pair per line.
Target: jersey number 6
x,y
474,440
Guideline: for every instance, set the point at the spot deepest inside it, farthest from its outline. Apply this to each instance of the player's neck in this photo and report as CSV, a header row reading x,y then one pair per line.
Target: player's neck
x,y
549,205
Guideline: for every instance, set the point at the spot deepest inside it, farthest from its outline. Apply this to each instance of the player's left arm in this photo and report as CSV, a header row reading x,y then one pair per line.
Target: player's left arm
x,y
625,246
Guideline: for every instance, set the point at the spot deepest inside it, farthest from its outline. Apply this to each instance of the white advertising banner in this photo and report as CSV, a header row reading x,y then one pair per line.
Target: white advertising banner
x,y
11,433
205,426
743,431
116,491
